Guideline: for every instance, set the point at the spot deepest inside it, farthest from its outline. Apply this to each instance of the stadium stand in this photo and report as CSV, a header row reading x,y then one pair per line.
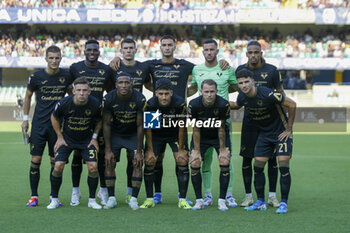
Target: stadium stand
x,y
176,4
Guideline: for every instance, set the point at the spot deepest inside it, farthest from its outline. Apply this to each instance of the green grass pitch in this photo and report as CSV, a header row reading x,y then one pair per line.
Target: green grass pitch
x,y
319,198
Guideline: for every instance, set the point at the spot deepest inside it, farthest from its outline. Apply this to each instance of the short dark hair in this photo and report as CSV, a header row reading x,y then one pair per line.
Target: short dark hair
x,y
167,37
122,74
209,82
92,42
52,49
81,80
210,41
128,40
244,73
163,83
254,42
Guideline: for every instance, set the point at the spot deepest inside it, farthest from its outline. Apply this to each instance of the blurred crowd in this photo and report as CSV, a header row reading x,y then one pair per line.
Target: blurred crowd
x,y
176,4
298,45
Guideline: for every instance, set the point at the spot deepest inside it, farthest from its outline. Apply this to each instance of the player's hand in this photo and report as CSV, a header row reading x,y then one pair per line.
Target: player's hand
x,y
150,158
138,160
115,63
224,153
195,154
109,156
94,143
25,126
182,155
285,135
60,142
224,65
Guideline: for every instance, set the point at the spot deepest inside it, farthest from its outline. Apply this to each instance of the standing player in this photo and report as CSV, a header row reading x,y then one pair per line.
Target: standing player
x,y
100,77
139,77
226,82
265,107
264,75
122,128
77,122
215,109
170,107
50,85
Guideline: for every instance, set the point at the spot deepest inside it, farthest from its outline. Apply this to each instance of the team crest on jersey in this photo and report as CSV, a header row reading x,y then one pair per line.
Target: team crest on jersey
x,y
102,72
138,72
216,112
176,66
87,112
260,103
172,111
62,79
132,105
263,75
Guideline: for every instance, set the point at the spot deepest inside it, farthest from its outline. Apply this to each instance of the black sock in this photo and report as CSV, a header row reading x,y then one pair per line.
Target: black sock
x,y
182,179
196,178
110,183
34,177
129,171
224,180
136,184
285,183
101,170
273,174
158,175
92,183
247,173
259,182
52,166
77,168
148,174
55,185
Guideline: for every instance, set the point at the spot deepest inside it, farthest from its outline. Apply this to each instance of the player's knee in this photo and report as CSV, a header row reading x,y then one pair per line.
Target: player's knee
x,y
224,160
92,167
36,159
196,163
180,160
150,162
59,167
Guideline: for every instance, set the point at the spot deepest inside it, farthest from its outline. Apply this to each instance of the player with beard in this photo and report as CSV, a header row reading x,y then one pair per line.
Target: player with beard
x,y
49,85
265,75
172,109
100,77
226,83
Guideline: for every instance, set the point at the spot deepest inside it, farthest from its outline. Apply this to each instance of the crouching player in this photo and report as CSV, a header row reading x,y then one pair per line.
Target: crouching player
x,y
80,118
265,108
215,109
